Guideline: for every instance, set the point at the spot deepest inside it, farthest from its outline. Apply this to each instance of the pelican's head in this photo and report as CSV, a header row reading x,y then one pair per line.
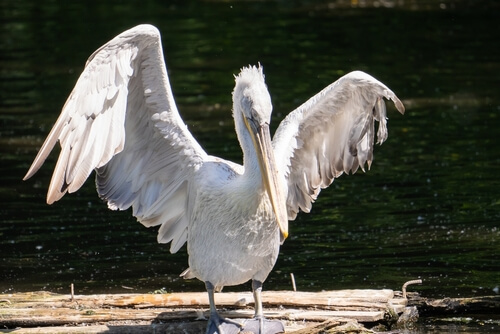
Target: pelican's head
x,y
252,114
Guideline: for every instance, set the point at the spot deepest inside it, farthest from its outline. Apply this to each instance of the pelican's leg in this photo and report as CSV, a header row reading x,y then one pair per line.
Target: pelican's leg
x,y
215,319
259,315
264,326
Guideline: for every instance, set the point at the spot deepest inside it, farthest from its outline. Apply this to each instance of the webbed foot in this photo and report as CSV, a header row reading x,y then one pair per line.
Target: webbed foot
x,y
218,325
262,326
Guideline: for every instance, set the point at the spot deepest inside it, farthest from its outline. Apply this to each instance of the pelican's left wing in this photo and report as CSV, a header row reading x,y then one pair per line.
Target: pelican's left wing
x,y
331,133
122,121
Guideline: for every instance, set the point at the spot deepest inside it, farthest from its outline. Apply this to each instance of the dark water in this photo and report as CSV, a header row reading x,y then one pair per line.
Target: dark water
x,y
429,208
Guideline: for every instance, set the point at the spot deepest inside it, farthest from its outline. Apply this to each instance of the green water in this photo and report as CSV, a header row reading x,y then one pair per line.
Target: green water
x,y
429,208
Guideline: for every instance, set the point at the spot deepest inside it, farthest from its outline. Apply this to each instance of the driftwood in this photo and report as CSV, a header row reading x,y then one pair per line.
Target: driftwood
x,y
171,313
333,300
343,311
455,306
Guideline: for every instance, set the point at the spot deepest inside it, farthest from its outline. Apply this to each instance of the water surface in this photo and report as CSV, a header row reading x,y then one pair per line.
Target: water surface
x,y
429,208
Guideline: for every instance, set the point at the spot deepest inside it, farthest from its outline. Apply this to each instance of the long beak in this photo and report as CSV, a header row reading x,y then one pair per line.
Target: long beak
x,y
262,141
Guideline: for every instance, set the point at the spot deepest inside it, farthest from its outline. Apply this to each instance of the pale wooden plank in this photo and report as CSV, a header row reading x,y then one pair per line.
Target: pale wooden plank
x,y
60,316
341,298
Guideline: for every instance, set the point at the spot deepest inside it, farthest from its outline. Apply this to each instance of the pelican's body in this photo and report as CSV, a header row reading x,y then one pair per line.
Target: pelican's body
x,y
122,121
229,244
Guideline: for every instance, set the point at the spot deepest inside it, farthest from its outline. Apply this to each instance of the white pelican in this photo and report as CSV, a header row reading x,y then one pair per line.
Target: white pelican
x,y
121,121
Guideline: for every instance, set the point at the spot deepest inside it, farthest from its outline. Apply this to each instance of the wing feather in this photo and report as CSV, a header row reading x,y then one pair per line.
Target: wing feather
x,y
121,120
331,134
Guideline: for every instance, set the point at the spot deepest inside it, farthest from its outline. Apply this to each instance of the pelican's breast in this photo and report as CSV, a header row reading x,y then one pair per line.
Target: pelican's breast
x,y
233,236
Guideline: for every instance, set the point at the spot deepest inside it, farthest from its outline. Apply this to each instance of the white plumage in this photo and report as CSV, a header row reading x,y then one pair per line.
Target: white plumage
x,y
122,121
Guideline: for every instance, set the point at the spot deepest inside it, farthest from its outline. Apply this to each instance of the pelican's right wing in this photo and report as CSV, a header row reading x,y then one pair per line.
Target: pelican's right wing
x,y
122,121
332,133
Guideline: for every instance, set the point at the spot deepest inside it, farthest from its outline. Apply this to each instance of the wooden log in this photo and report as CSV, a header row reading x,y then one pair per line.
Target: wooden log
x,y
327,327
178,327
45,309
334,327
30,317
455,306
342,299
301,312
146,328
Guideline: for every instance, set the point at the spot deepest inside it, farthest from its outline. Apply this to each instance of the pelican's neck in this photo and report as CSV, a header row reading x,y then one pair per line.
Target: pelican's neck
x,y
252,173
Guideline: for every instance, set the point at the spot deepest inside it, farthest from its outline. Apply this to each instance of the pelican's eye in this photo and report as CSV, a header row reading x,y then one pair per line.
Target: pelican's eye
x,y
247,105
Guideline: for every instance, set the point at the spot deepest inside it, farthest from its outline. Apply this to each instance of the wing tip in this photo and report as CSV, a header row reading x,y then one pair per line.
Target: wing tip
x,y
29,174
53,196
35,166
399,105
389,95
360,75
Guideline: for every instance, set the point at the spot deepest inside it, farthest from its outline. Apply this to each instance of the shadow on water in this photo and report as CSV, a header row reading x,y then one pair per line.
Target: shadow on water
x,y
429,207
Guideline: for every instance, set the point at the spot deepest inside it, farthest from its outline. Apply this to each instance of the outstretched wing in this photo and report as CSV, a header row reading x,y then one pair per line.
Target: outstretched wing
x,y
332,133
121,119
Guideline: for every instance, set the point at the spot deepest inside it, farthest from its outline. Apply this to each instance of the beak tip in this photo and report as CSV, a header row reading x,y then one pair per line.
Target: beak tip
x,y
283,236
